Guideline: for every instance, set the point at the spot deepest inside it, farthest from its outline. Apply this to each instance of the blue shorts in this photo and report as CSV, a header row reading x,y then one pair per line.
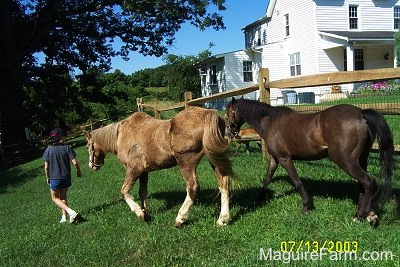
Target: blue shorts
x,y
59,183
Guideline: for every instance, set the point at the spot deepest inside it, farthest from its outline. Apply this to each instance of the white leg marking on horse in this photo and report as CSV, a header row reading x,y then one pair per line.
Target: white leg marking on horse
x,y
184,210
372,218
224,215
134,206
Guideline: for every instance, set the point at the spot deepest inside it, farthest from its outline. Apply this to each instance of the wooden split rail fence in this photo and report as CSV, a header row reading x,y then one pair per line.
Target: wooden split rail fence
x,y
264,84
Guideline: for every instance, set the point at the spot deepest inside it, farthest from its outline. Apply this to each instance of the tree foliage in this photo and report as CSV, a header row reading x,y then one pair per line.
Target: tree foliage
x,y
80,34
182,74
397,46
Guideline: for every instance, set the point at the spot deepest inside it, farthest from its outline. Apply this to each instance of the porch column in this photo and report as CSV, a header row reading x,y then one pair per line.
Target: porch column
x,y
394,56
350,56
350,63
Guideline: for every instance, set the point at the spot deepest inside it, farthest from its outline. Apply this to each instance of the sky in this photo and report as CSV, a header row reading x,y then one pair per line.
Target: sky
x,y
191,41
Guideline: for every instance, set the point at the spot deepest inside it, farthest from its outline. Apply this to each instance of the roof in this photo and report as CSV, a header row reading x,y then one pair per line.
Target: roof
x,y
257,22
361,35
217,56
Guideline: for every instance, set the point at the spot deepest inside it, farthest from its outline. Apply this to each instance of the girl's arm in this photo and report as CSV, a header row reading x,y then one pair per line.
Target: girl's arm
x,y
77,167
46,171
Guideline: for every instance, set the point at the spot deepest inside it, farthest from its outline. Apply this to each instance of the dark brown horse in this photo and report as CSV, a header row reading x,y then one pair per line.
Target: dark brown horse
x,y
344,133
144,144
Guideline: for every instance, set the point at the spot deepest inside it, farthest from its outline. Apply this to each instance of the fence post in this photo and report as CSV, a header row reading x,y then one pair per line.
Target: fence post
x,y
188,96
157,113
263,77
139,103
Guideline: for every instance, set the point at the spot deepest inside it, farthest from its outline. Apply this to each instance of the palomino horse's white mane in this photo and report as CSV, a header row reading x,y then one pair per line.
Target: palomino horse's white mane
x,y
106,136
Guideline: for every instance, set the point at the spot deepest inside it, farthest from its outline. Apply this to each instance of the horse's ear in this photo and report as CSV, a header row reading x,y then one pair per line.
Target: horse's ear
x,y
233,100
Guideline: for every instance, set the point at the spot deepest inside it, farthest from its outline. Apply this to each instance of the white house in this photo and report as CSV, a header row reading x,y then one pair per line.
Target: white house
x,y
228,71
306,37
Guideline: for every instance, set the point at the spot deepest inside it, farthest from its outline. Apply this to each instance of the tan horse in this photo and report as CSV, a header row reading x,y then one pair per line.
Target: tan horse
x,y
144,144
245,136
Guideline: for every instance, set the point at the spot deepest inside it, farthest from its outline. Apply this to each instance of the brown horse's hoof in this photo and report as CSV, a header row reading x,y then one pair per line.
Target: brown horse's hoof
x,y
373,219
306,209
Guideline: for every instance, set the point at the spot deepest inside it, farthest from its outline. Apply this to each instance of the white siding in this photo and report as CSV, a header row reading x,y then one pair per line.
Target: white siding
x,y
374,15
328,11
302,38
318,54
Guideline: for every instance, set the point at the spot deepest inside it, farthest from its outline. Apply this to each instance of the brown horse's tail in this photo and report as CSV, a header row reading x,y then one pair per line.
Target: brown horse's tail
x,y
379,128
215,146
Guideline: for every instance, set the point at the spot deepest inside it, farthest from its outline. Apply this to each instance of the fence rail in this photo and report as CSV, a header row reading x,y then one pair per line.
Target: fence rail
x,y
264,85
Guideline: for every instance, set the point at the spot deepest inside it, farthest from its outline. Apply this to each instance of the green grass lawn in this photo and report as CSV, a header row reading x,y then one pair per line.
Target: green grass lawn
x,y
111,235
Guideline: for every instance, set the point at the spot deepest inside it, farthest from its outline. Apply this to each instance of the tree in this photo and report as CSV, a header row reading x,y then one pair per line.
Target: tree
x,y
182,74
80,34
397,46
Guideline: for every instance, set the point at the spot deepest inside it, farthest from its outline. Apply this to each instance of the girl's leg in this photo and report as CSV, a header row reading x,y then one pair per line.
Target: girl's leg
x,y
63,197
60,201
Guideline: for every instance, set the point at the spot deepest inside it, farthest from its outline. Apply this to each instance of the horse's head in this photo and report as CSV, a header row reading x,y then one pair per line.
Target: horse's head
x,y
96,154
235,121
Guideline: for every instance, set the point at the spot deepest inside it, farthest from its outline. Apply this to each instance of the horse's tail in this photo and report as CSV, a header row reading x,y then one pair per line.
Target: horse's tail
x,y
378,127
215,146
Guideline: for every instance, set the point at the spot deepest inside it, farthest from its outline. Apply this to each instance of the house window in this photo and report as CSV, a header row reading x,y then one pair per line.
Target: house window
x,y
353,17
295,65
358,59
287,25
213,75
247,71
396,17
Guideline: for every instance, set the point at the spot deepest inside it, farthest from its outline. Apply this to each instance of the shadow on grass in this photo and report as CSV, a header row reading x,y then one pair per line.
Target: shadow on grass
x,y
16,176
247,199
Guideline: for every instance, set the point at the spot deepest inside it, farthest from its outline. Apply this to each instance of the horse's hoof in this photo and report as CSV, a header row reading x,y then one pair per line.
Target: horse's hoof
x,y
373,219
141,214
356,219
222,222
306,210
178,224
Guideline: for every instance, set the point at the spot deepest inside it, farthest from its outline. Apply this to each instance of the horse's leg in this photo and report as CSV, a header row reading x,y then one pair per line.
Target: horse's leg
x,y
273,165
143,191
364,209
355,168
192,187
223,185
291,170
360,207
130,178
238,144
247,143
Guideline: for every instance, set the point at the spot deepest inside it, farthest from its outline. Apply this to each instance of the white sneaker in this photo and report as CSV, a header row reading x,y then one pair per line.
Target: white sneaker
x,y
63,220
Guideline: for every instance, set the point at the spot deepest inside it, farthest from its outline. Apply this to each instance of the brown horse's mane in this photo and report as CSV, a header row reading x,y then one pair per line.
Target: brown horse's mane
x,y
106,136
255,110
